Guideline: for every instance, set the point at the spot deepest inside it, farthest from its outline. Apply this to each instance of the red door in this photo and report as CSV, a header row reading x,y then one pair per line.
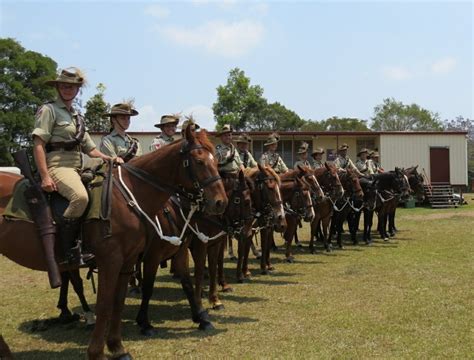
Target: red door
x,y
439,164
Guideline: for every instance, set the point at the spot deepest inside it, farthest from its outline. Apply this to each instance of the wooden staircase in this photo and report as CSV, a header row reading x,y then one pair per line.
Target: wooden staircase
x,y
440,195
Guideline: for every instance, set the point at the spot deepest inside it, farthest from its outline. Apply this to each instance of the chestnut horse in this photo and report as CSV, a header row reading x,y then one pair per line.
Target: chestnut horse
x,y
187,167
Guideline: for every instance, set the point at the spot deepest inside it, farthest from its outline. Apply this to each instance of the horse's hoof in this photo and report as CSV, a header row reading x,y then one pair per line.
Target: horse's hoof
x,y
264,272
227,288
218,306
270,268
247,274
233,258
290,260
392,234
134,291
386,239
341,247
125,356
240,280
258,257
149,331
206,326
69,318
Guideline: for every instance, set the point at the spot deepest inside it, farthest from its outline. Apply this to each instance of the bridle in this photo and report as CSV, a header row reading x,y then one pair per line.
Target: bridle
x,y
197,195
264,214
298,197
237,199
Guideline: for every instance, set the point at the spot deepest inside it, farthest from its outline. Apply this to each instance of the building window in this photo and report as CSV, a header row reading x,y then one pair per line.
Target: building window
x,y
367,143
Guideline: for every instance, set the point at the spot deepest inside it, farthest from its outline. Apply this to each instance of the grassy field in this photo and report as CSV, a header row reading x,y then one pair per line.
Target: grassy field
x,y
411,297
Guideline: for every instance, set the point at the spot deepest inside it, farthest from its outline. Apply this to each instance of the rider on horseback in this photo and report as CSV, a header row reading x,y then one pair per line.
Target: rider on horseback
x,y
59,138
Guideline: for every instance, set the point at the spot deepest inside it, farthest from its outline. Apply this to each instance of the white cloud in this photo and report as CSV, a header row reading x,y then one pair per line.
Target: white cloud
x,y
444,66
260,8
218,37
203,115
157,11
145,120
396,73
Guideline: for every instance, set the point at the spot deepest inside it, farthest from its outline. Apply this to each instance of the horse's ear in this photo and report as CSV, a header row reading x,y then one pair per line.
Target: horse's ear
x,y
190,135
416,167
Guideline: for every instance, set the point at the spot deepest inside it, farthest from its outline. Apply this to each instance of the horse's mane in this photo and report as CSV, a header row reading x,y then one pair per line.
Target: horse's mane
x,y
251,172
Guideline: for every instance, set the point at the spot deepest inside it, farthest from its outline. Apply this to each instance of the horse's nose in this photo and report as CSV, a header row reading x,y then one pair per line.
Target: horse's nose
x,y
220,206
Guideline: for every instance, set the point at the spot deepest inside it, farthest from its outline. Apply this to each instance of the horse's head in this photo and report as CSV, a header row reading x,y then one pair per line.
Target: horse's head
x,y
300,199
238,214
329,181
198,173
416,180
369,187
307,175
352,184
266,196
401,185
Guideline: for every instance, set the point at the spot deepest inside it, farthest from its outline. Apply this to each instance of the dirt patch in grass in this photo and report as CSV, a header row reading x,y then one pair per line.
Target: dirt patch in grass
x,y
441,215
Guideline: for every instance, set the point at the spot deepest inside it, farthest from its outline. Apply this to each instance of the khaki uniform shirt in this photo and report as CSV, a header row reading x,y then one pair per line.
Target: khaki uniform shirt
x,y
228,158
247,159
160,141
301,163
376,168
317,164
344,162
115,144
364,166
275,161
55,123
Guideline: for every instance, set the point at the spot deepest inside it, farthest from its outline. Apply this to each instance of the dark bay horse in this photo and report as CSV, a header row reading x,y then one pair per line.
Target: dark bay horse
x,y
329,181
344,208
267,213
415,181
187,167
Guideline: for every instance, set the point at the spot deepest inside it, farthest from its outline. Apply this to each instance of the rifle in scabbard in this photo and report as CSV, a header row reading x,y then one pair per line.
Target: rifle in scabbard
x,y
41,215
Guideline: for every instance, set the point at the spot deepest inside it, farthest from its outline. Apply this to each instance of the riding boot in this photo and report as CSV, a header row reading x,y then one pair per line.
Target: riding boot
x,y
68,233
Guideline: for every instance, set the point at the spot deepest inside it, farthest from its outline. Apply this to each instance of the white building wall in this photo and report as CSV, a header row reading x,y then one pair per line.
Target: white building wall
x,y
409,150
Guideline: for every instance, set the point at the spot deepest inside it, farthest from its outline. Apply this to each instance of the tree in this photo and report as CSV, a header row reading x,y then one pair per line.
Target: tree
x,y
22,78
238,103
336,124
393,115
96,107
277,117
461,124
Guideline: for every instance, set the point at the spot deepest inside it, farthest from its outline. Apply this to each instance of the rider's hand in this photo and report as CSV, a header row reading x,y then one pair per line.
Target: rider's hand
x,y
48,185
118,160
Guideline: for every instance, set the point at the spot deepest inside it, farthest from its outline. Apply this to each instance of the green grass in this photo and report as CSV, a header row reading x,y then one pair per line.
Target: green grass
x,y
409,298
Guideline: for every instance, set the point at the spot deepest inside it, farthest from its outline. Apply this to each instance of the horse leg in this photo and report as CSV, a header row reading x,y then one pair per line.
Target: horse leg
x,y
245,263
325,227
268,263
5,353
264,241
220,268
199,315
289,234
136,279
108,281
150,268
231,248
78,286
114,338
199,253
240,259
66,315
212,255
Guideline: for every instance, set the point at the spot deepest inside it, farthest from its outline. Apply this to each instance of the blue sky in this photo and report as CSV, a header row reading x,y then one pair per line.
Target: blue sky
x,y
319,59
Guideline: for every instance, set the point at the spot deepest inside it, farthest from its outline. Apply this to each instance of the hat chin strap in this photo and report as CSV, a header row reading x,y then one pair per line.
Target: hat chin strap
x,y
63,98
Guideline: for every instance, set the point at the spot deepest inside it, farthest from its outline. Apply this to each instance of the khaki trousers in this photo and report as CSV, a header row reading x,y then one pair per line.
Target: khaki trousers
x,y
69,184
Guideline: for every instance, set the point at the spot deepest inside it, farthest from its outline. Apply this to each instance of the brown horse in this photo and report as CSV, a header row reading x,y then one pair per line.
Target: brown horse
x,y
297,186
238,208
187,167
329,181
268,212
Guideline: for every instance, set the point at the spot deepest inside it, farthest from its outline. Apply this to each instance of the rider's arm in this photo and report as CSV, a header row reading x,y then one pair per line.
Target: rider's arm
x,y
47,184
98,154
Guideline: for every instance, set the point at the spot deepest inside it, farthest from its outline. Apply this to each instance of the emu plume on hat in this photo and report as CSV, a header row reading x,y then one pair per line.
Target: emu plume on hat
x,y
189,121
125,108
272,139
